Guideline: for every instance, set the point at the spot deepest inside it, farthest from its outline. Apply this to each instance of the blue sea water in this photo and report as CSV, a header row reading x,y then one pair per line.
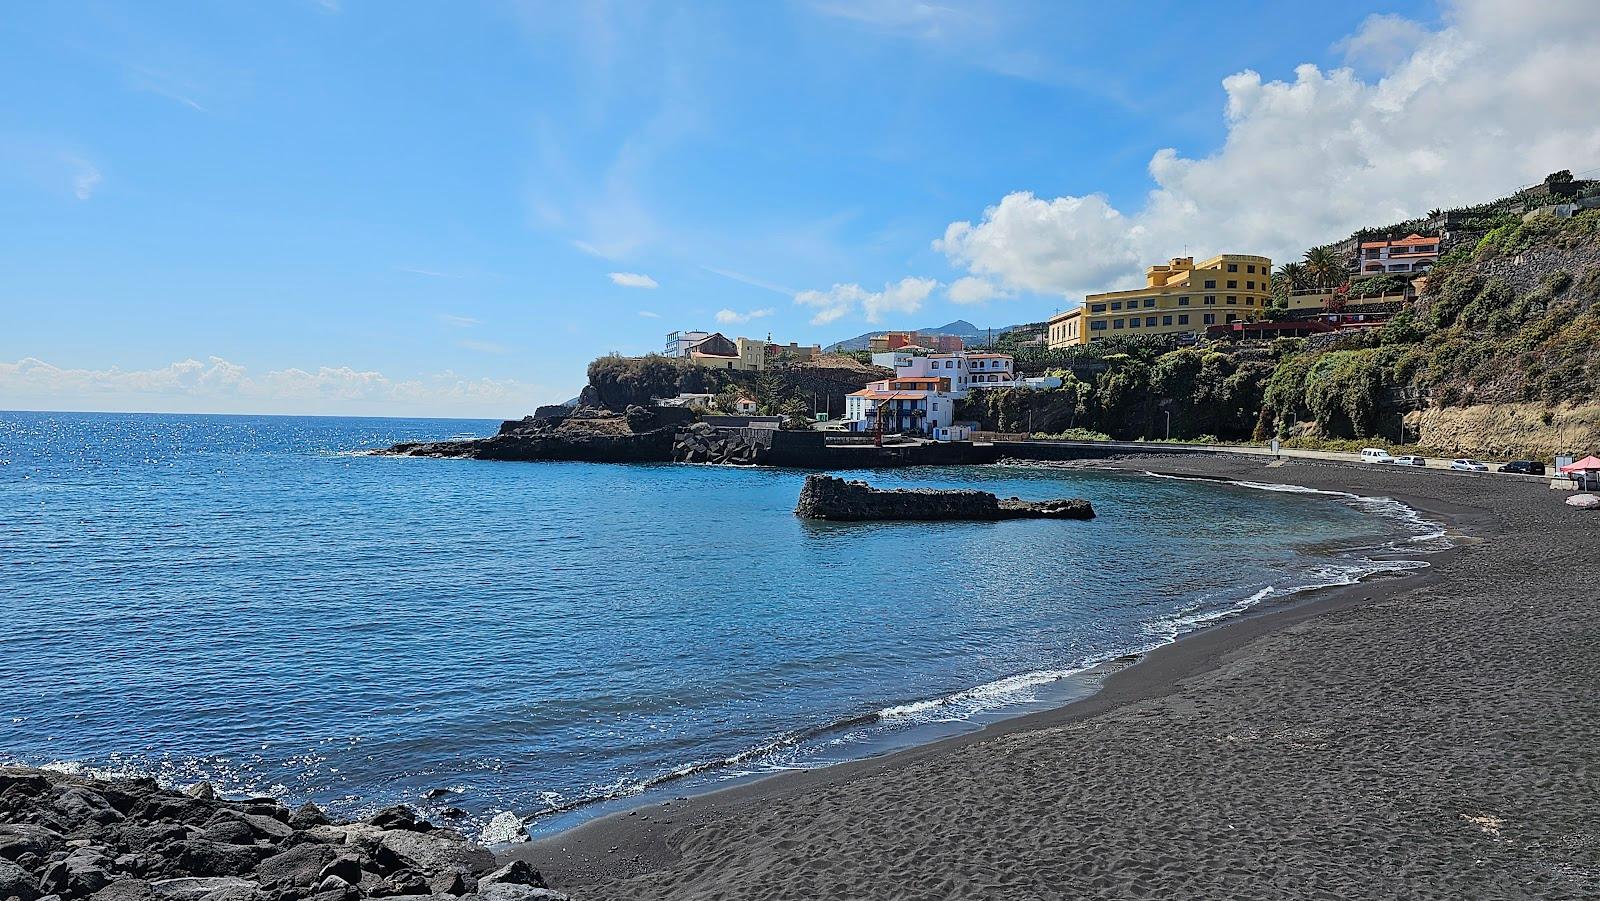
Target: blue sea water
x,y
253,601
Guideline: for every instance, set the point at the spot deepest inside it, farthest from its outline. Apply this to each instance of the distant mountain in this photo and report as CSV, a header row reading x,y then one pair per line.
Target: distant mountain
x,y
968,333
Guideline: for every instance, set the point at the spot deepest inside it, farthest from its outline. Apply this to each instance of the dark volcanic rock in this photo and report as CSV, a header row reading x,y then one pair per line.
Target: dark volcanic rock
x,y
829,497
69,838
586,433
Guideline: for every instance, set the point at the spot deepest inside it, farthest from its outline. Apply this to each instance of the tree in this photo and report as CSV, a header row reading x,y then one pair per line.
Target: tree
x,y
1324,269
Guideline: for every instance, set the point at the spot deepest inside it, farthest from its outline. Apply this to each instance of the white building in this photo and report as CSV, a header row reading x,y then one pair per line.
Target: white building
x,y
680,343
964,369
917,405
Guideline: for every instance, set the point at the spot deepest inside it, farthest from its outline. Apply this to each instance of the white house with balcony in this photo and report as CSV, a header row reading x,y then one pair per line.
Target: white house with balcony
x,y
914,405
964,369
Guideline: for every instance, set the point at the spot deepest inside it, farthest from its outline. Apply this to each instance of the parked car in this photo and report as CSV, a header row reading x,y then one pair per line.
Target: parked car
x,y
1375,455
1411,460
1525,467
1469,466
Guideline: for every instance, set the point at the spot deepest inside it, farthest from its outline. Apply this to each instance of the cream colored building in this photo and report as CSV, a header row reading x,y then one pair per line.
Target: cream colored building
x,y
1178,297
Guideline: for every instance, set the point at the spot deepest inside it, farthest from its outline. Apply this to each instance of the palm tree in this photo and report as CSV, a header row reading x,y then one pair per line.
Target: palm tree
x,y
1323,268
1292,276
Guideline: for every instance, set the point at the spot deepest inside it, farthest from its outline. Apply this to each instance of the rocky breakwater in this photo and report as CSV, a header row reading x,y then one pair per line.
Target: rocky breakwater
x,y
66,837
830,497
638,434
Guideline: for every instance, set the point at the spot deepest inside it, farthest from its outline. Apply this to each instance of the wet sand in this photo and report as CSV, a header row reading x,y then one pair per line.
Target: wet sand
x,y
1433,736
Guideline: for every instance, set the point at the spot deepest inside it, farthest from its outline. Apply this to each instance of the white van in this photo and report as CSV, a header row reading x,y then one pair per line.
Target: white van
x,y
1375,455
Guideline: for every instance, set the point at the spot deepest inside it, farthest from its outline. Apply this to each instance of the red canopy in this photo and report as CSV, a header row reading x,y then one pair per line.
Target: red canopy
x,y
1589,462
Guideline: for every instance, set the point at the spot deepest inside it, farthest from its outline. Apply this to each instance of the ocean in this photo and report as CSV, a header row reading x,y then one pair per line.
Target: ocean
x,y
256,602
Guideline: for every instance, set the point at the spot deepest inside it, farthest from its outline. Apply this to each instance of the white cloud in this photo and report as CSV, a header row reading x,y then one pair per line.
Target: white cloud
x,y
458,321
1497,98
904,296
731,317
633,280
649,315
1384,40
86,179
218,385
973,290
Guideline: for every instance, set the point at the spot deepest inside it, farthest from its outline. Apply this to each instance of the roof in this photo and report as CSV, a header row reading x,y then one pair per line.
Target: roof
x,y
987,356
1412,238
1590,462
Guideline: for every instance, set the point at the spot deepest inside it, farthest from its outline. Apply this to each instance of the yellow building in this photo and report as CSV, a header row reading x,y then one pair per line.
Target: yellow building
x,y
1177,298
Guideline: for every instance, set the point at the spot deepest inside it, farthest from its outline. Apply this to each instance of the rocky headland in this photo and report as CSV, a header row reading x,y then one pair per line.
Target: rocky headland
x,y
830,497
638,434
65,837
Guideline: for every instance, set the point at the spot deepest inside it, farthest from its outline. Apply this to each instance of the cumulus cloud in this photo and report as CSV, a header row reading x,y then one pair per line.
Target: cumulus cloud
x,y
732,317
1498,97
904,296
973,290
216,384
633,280
1383,40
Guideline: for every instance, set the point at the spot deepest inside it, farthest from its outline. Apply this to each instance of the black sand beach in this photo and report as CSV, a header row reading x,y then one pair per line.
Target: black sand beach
x,y
1436,736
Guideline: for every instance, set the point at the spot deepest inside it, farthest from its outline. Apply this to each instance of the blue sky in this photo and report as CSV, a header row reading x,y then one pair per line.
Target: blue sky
x,y
449,209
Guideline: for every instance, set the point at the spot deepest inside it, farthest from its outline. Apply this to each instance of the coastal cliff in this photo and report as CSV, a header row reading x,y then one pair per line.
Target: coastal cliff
x,y
68,837
830,497
638,435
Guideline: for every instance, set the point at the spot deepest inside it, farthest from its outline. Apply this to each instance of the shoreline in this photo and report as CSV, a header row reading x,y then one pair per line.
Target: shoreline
x,y
1075,685
643,850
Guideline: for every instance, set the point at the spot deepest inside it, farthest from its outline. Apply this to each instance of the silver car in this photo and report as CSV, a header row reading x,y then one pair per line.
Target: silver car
x,y
1410,460
1469,466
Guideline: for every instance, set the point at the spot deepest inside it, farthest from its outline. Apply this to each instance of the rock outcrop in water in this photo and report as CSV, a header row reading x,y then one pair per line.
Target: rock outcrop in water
x,y
830,497
587,433
66,837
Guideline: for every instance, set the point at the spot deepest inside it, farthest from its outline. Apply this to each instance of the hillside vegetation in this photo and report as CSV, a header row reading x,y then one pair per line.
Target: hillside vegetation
x,y
1510,320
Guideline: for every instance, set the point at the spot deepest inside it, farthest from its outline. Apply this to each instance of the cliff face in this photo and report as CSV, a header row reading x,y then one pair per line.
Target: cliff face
x,y
829,497
639,435
1509,430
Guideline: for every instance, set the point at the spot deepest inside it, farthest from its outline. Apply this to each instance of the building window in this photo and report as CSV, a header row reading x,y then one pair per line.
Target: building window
x,y
1098,325
1183,318
1149,302
1211,300
1249,301
1166,320
1097,308
1150,321
1232,283
1117,324
1211,283
1250,269
1250,286
1210,319
1233,299
1233,267
1233,317
1183,301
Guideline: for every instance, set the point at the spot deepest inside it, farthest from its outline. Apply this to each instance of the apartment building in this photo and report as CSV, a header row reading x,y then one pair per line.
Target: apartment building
x,y
1179,297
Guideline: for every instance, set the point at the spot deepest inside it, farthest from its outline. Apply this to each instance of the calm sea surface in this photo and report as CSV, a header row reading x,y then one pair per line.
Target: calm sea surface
x,y
248,600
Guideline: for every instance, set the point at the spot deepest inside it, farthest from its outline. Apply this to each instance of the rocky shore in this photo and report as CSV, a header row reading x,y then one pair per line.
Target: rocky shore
x,y
65,837
590,434
830,497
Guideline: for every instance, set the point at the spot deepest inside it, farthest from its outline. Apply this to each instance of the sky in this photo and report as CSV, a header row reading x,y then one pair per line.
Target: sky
x,y
378,207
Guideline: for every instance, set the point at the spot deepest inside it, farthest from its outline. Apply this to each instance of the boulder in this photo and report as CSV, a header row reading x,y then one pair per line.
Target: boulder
x,y
452,883
126,890
201,790
347,869
504,828
193,888
24,838
15,882
308,815
229,830
78,803
438,851
1584,501
204,857
397,817
517,872
83,872
301,865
